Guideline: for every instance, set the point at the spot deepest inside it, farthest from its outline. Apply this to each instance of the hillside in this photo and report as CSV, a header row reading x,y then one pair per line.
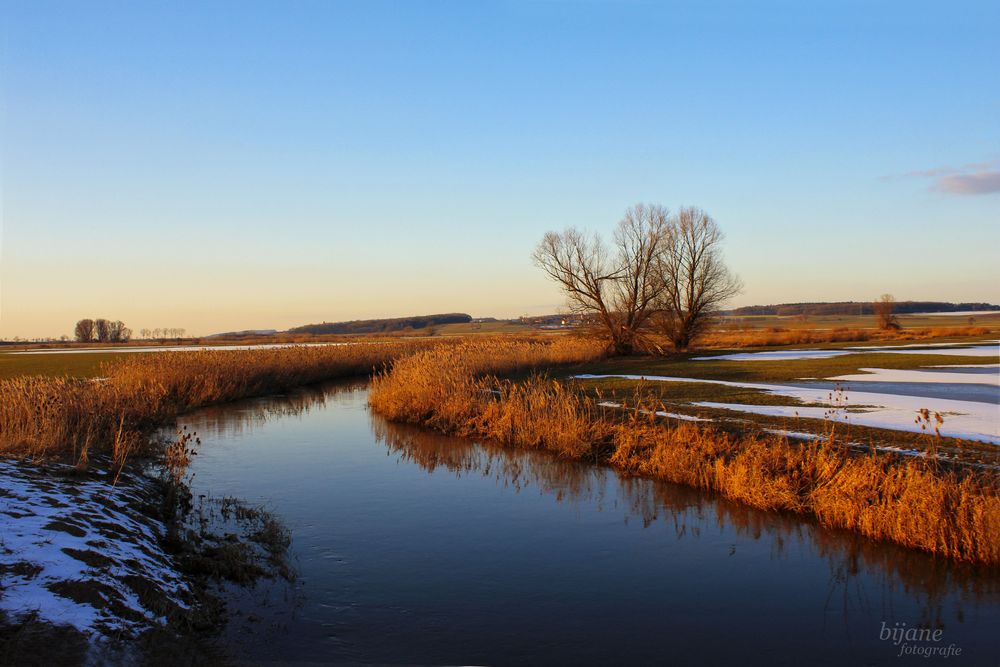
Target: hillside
x,y
387,325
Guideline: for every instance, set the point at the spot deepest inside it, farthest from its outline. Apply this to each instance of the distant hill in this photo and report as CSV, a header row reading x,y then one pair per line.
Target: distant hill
x,y
382,325
859,308
246,333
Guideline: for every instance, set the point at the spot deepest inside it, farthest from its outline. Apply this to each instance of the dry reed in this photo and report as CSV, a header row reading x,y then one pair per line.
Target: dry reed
x,y
883,496
44,417
734,338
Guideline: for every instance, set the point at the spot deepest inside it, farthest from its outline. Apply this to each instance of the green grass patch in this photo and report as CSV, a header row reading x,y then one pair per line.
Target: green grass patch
x,y
85,365
678,393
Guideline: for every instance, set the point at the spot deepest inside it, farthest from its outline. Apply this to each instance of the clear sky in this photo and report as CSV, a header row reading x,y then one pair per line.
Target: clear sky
x,y
231,165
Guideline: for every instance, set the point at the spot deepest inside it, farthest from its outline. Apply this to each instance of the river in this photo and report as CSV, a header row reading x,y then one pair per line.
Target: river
x,y
416,548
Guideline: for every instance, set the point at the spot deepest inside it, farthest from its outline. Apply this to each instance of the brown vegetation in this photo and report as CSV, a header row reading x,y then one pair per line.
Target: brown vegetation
x,y
45,417
749,337
908,501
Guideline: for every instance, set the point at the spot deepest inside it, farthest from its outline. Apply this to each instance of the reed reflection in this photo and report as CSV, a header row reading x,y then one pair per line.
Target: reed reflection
x,y
244,417
865,575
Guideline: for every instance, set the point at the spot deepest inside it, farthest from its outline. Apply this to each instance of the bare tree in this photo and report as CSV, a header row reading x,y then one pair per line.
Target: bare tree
x,y
84,331
617,285
144,333
103,329
694,279
118,332
884,308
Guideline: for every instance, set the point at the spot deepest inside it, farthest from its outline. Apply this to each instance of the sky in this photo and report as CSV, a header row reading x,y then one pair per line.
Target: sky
x,y
239,165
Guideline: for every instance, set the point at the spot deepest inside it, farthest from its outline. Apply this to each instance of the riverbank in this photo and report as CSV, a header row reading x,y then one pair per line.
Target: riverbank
x,y
102,549
954,512
73,418
123,567
85,566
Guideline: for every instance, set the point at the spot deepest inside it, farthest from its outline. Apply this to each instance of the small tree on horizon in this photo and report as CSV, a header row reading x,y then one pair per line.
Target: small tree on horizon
x,y
103,329
118,332
84,331
884,309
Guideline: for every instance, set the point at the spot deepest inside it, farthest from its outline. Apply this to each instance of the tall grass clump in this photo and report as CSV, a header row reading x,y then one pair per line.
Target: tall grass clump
x,y
906,500
45,417
450,388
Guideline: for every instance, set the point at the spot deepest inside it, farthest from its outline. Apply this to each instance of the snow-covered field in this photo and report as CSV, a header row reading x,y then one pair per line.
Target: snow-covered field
x,y
970,420
867,401
76,550
956,376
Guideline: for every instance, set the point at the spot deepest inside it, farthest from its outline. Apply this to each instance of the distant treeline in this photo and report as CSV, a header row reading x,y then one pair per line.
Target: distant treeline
x,y
382,325
859,308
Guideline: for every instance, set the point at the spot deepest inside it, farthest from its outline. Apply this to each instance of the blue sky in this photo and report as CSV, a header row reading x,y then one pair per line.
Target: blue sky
x,y
230,165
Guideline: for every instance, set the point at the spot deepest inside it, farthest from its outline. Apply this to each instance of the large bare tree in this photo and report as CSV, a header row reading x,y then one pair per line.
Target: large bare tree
x,y
616,284
694,279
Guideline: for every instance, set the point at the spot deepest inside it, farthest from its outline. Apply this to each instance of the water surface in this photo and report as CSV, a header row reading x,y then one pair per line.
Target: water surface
x,y
420,549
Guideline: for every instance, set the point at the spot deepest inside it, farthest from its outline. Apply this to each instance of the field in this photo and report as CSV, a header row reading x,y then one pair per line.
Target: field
x,y
821,322
50,405
54,365
107,415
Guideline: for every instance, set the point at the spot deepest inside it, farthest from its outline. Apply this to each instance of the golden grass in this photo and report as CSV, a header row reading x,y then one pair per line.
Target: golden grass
x,y
44,417
908,501
733,338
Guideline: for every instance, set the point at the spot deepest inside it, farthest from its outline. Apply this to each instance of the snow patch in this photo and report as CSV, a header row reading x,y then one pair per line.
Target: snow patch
x,y
970,420
660,413
901,375
75,550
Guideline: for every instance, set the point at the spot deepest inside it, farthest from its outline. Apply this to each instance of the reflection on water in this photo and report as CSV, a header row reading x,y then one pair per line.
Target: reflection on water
x,y
687,511
416,547
244,417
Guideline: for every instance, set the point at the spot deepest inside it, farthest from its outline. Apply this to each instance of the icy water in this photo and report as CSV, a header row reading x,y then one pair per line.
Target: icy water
x,y
414,548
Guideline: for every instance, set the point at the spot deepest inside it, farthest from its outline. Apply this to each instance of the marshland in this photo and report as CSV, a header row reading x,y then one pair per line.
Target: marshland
x,y
522,428
502,333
